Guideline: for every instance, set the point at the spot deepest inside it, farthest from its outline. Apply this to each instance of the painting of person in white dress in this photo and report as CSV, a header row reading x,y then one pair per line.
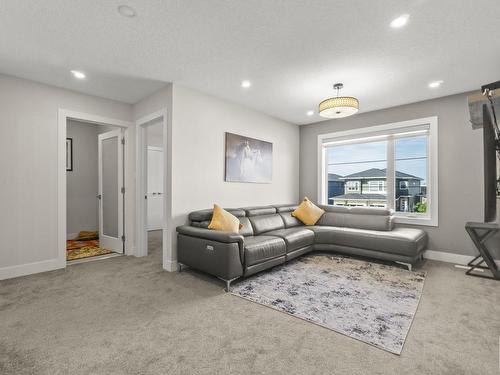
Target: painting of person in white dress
x,y
248,159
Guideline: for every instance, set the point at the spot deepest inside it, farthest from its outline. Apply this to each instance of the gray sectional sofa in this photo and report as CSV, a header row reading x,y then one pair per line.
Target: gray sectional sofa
x,y
271,235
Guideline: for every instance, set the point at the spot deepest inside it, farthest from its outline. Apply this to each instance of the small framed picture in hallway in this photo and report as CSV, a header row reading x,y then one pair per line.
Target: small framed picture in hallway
x,y
69,154
248,159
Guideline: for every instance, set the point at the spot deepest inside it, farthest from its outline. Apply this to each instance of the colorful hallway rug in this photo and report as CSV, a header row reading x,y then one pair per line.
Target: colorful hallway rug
x,y
370,302
76,249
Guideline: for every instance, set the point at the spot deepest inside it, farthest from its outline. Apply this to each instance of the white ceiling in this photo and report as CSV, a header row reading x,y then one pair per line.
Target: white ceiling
x,y
291,50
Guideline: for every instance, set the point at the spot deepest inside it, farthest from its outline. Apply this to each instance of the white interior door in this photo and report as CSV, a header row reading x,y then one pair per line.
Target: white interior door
x,y
110,190
155,188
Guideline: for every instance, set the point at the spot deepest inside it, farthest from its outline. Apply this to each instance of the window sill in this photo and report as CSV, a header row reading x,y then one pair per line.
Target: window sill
x,y
415,220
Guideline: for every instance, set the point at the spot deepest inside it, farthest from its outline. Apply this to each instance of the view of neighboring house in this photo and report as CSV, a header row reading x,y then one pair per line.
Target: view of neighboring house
x,y
335,185
369,188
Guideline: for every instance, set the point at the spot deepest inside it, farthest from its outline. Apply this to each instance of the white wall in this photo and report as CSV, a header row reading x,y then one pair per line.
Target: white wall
x,y
199,125
460,164
28,165
195,156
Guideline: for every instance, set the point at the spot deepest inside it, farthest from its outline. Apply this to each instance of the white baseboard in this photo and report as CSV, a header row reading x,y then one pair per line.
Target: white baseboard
x,y
30,268
448,257
170,266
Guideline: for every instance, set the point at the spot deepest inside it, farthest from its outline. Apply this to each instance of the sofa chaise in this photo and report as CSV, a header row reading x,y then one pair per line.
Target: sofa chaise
x,y
270,236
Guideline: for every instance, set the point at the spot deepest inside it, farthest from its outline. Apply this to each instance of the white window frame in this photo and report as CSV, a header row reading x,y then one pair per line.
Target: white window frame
x,y
382,132
374,186
406,183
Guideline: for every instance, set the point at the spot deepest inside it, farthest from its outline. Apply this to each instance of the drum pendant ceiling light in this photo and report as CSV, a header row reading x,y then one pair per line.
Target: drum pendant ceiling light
x,y
340,106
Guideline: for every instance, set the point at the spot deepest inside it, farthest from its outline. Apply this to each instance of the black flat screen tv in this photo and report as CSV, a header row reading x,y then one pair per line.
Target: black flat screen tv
x,y
490,166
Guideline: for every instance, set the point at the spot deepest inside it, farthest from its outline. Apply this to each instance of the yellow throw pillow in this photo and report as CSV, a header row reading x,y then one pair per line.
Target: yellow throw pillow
x,y
308,212
224,221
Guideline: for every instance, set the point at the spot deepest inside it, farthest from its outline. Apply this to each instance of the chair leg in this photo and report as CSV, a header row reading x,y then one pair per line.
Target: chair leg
x,y
408,265
227,289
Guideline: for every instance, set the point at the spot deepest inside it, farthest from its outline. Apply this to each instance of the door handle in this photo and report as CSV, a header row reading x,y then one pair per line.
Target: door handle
x,y
99,196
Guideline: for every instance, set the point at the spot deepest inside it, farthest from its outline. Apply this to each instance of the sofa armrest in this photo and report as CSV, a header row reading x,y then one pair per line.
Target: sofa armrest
x,y
214,252
208,234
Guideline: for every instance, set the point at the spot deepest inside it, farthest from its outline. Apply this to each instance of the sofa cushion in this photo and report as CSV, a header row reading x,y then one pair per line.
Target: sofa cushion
x,y
258,249
206,215
295,238
285,211
286,207
261,210
266,223
357,217
289,220
402,241
245,230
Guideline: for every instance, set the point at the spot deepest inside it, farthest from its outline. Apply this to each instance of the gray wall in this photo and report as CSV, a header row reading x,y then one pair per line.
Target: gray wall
x,y
460,164
81,188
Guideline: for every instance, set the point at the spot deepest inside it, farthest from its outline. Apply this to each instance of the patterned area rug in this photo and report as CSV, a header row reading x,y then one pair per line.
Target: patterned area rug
x,y
370,302
83,249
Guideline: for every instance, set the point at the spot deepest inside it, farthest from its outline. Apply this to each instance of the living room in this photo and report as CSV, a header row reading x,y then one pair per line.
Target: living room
x,y
260,105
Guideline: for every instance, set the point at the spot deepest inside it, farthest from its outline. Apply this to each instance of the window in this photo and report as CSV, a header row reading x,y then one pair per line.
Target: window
x,y
377,186
352,185
355,169
393,166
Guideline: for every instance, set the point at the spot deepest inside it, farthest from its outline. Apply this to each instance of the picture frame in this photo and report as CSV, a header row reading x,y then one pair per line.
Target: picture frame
x,y
69,154
248,159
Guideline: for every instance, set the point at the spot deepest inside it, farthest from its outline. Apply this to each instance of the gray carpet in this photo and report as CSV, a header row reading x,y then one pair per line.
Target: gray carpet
x,y
368,301
126,316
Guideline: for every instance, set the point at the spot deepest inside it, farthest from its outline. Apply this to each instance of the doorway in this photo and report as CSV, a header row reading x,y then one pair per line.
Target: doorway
x,y
95,190
108,148
151,186
154,184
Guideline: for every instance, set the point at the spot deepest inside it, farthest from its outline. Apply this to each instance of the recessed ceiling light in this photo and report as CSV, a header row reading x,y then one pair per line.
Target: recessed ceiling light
x,y
435,84
310,113
400,21
245,84
78,74
127,11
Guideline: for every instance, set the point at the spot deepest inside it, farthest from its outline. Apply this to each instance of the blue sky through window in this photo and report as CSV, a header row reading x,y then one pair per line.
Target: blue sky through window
x,y
410,154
